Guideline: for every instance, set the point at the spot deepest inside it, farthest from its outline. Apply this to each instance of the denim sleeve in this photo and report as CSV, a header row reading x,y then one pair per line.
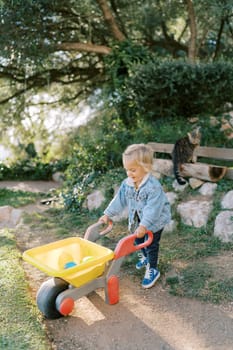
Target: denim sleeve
x,y
117,204
154,210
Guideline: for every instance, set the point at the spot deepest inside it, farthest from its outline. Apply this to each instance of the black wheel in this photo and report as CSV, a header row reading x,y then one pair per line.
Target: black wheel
x,y
47,294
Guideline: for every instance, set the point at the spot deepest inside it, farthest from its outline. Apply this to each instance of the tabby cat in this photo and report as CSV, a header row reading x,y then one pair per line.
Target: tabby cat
x,y
183,152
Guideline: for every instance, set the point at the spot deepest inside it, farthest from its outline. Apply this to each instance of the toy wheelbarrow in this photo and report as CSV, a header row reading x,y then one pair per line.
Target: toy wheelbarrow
x,y
79,266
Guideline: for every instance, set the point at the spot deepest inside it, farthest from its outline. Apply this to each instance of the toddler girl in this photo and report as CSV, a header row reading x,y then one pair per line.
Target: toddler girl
x,y
148,207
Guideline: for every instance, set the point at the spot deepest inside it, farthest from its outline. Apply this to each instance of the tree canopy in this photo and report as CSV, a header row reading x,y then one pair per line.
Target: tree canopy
x,y
60,47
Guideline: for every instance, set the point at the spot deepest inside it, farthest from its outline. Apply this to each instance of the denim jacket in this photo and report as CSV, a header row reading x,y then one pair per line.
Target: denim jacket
x,y
148,204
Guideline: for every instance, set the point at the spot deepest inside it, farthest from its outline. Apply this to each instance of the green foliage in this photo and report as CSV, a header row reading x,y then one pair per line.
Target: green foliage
x,y
97,148
212,136
93,154
120,64
21,326
176,88
35,34
31,169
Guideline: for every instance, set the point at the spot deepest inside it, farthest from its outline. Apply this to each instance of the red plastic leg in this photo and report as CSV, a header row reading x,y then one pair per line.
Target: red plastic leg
x,y
113,290
66,306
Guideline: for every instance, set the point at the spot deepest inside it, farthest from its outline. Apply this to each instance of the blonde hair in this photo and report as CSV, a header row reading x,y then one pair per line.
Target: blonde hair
x,y
140,153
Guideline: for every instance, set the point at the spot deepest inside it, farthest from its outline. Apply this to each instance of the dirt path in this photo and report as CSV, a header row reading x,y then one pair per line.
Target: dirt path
x,y
143,319
30,186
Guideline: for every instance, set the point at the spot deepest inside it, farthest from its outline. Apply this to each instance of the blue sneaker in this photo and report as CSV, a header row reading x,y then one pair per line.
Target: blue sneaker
x,y
143,261
150,277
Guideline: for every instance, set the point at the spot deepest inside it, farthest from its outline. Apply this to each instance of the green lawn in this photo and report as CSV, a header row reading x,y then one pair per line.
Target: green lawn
x,y
20,323
16,198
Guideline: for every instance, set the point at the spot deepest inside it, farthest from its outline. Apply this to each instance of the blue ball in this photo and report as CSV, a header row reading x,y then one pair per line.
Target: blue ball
x,y
70,264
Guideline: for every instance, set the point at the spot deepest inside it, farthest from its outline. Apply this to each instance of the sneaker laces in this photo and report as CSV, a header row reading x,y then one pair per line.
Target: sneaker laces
x,y
148,272
141,257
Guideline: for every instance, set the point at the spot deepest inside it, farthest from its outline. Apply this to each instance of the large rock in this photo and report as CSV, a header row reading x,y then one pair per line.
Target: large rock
x,y
5,213
9,216
179,188
170,227
58,177
172,197
208,189
15,216
223,228
227,201
195,212
95,200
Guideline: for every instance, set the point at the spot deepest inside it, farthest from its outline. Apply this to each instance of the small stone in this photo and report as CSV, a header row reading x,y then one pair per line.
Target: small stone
x,y
195,183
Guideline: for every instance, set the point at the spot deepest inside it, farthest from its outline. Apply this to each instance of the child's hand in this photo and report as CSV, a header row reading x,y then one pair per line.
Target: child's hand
x,y
104,219
140,231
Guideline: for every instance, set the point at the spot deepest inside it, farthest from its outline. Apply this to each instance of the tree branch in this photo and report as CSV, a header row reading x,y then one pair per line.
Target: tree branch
x,y
184,30
229,25
41,79
116,14
219,38
85,47
117,33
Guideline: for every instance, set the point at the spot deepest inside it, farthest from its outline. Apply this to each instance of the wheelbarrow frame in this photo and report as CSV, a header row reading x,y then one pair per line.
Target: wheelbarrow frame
x,y
56,297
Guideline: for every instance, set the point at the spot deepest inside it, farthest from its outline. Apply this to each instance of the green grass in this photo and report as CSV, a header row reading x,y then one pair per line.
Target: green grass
x,y
60,222
191,246
197,278
17,198
20,323
197,281
21,326
188,245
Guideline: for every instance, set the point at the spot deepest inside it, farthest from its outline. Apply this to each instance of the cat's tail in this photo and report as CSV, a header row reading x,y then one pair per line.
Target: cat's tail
x,y
179,178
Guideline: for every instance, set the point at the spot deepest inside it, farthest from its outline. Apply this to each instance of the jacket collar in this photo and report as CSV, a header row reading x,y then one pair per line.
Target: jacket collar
x,y
130,182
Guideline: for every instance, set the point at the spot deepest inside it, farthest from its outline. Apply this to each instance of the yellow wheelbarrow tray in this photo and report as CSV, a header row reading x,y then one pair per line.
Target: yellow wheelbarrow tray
x,y
78,266
74,259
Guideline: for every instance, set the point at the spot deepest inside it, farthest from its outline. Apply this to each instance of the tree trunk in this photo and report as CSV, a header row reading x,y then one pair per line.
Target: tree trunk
x,y
193,31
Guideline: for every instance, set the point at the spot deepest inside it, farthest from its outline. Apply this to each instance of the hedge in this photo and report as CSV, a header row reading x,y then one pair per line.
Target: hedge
x,y
166,88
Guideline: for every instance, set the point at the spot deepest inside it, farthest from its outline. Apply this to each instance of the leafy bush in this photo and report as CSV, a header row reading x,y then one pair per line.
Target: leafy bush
x,y
168,88
94,153
120,66
122,60
31,169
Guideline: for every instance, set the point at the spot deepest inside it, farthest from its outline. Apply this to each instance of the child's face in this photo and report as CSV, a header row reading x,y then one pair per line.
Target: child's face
x,y
135,171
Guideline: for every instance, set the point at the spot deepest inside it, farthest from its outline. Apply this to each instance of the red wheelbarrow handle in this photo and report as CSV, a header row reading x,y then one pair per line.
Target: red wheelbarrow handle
x,y
127,245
